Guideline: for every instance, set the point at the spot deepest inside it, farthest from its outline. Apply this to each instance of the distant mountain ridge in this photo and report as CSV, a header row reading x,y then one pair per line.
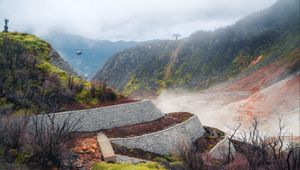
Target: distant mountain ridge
x,y
94,53
208,58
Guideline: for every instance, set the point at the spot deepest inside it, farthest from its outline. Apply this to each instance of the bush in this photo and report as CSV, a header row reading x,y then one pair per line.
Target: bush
x,y
50,138
12,129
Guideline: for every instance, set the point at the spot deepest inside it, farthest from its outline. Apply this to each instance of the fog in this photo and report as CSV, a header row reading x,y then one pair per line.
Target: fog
x,y
225,109
125,20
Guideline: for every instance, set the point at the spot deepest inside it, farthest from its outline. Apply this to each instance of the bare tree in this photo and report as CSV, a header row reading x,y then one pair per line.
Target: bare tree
x,y
50,137
293,156
276,144
191,160
232,133
12,130
254,146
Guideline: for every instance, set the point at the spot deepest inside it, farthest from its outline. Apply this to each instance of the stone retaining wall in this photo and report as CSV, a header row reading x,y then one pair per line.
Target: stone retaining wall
x,y
92,120
166,141
127,159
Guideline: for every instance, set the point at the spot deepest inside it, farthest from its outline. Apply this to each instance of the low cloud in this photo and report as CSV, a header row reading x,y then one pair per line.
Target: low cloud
x,y
125,20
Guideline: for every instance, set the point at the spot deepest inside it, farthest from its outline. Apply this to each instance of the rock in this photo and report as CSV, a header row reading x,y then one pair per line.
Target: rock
x,y
84,148
57,61
221,150
94,146
91,151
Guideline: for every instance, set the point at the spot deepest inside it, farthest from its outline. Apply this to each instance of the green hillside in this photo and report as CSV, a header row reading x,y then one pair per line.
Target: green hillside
x,y
207,57
34,79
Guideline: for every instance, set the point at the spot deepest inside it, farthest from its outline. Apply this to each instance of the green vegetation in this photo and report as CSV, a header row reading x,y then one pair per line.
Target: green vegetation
x,y
132,85
1,151
29,79
209,57
140,166
169,161
33,44
21,158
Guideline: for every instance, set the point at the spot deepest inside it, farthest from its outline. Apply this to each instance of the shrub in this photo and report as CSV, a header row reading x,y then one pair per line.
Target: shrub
x,y
12,130
50,138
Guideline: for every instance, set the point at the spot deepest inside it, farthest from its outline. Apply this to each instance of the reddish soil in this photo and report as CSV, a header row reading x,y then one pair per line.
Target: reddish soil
x,y
87,149
279,96
264,76
149,127
137,153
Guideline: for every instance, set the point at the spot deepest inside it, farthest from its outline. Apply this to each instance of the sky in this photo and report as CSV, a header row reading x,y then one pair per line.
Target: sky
x,y
135,20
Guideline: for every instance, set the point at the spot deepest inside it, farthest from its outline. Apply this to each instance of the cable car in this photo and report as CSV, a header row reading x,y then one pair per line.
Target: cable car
x,y
78,52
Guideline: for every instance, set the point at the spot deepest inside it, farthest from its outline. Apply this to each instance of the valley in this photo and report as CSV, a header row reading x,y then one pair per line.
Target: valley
x,y
214,99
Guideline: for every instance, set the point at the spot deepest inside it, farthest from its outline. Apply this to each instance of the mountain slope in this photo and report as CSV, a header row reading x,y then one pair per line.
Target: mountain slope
x,y
35,79
94,52
208,58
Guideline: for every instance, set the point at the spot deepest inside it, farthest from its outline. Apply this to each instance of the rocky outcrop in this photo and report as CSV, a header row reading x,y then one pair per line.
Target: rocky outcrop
x,y
58,62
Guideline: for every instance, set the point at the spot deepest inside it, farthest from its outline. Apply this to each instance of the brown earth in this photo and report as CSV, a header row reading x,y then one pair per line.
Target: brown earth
x,y
137,153
86,148
280,96
264,76
168,120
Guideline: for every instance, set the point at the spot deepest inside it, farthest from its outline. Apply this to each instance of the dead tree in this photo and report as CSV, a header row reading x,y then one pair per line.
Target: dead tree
x,y
293,156
254,146
50,137
191,160
12,130
229,156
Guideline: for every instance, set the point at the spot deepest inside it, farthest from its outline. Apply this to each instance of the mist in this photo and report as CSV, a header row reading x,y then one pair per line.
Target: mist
x,y
136,20
223,109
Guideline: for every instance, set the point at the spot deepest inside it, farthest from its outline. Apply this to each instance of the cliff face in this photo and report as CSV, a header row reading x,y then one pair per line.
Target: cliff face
x,y
208,58
58,62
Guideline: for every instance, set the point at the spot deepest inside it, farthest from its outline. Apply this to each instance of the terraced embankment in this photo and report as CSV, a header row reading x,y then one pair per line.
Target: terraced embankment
x,y
93,120
165,141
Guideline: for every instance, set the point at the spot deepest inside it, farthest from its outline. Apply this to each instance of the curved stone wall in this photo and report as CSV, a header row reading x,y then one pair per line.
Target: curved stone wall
x,y
165,141
111,116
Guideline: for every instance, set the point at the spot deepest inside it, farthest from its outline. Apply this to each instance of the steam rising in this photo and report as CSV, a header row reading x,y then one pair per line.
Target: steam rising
x,y
228,108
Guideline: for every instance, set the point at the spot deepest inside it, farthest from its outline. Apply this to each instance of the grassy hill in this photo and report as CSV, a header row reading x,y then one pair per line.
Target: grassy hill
x,y
35,79
207,58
